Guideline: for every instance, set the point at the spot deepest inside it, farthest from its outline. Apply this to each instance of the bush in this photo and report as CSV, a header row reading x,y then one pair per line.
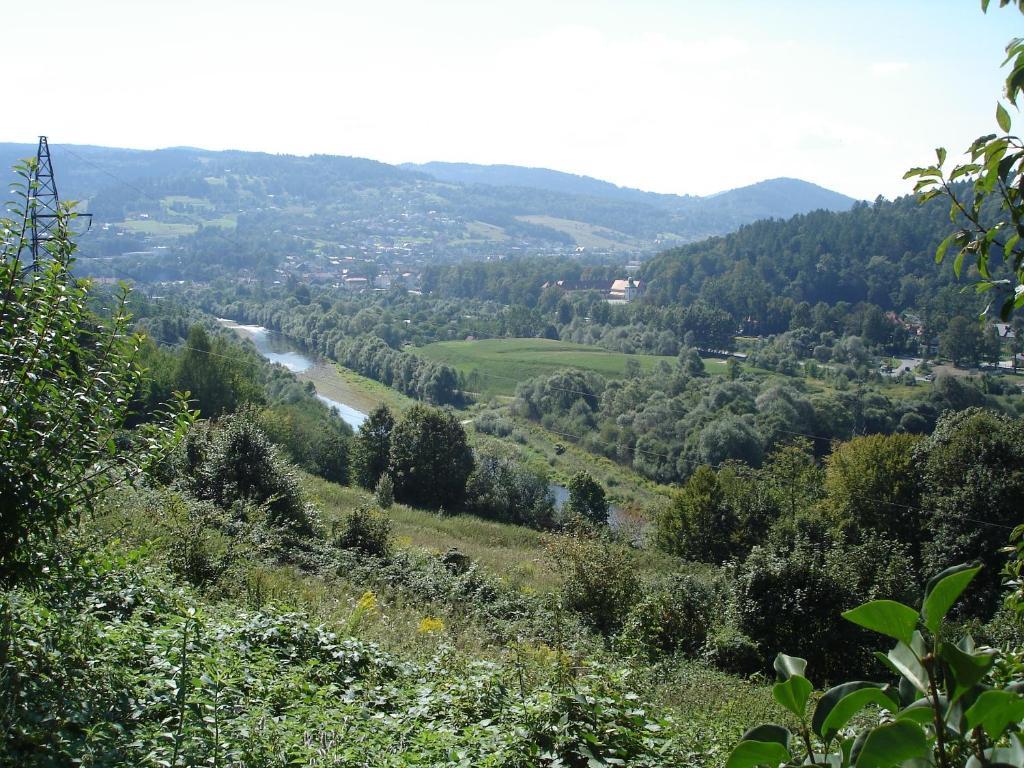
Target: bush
x,y
790,594
366,530
242,465
732,651
67,379
385,491
927,720
500,488
587,499
198,550
600,578
673,616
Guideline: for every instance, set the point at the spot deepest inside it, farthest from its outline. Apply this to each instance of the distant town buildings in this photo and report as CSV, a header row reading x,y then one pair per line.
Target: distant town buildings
x,y
615,291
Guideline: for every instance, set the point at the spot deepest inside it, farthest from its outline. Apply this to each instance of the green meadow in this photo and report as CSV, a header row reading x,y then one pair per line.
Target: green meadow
x,y
496,366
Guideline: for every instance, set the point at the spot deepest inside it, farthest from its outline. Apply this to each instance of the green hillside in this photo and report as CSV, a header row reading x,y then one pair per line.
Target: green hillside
x,y
495,366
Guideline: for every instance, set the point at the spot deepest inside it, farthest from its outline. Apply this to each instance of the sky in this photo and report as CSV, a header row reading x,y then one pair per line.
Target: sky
x,y
676,96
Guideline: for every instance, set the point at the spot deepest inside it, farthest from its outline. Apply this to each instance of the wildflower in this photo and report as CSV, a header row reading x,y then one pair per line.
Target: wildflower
x,y
366,606
429,625
367,603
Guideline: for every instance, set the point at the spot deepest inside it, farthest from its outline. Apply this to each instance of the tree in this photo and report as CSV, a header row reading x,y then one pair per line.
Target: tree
x,y
698,524
430,458
991,346
501,488
67,380
217,381
730,437
986,197
972,468
371,447
587,499
872,486
961,342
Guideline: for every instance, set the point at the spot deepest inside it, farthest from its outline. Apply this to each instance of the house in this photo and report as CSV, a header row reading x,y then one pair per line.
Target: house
x,y
578,285
1005,331
618,291
356,283
625,290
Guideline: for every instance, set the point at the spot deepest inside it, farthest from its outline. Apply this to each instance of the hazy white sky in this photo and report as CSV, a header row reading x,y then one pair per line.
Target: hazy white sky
x,y
684,96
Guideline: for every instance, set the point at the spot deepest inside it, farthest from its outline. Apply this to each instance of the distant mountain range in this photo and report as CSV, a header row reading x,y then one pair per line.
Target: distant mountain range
x,y
323,207
774,198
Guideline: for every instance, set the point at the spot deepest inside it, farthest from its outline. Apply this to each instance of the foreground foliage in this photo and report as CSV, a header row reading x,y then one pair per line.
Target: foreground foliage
x,y
66,380
954,704
116,665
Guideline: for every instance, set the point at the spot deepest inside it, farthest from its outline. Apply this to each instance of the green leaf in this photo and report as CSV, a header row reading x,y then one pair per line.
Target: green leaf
x,y
749,754
787,666
1011,243
943,590
909,665
842,702
967,668
886,617
940,252
769,732
958,263
994,710
940,153
793,694
919,712
1002,117
891,744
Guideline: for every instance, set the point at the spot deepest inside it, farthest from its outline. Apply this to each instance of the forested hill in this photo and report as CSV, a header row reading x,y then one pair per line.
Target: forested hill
x,y
881,253
346,206
772,198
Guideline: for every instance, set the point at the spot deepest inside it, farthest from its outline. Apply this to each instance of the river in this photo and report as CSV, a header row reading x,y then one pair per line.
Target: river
x,y
278,349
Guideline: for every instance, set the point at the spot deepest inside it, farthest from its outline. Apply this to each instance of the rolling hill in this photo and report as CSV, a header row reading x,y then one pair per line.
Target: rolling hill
x,y
277,209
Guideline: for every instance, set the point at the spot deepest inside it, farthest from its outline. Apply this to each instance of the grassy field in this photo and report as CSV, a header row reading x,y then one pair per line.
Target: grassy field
x,y
513,552
158,228
495,366
587,235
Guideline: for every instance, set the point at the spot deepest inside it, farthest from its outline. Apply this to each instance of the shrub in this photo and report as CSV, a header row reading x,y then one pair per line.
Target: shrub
x,y
198,550
600,577
241,464
673,616
789,594
501,488
732,651
385,491
955,705
366,530
587,499
67,379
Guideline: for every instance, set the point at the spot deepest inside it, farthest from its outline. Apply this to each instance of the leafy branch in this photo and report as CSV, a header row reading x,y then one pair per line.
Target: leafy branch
x,y
986,196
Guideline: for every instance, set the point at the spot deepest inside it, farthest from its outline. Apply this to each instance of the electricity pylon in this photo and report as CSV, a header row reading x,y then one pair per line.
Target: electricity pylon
x,y
43,213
